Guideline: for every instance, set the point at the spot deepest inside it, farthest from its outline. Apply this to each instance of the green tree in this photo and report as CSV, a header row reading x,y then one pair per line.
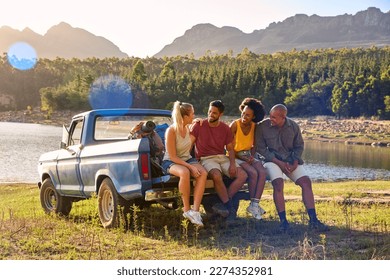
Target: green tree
x,y
138,75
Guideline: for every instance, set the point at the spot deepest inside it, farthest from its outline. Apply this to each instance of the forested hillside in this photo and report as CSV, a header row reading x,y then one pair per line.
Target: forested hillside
x,y
344,82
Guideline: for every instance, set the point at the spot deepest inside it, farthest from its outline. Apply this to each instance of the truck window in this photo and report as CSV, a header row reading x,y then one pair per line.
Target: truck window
x,y
76,133
118,127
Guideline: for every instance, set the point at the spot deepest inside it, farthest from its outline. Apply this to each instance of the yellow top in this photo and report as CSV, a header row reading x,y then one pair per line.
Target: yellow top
x,y
244,142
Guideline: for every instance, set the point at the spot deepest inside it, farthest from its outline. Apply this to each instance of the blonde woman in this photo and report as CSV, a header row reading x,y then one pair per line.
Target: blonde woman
x,y
179,162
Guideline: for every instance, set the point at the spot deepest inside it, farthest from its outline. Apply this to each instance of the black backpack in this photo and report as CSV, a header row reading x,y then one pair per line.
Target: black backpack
x,y
157,150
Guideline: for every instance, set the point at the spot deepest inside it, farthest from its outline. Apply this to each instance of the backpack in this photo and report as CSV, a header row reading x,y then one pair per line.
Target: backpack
x,y
156,145
157,150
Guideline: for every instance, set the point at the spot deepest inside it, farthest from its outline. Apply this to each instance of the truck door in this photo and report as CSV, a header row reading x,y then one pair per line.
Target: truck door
x,y
69,161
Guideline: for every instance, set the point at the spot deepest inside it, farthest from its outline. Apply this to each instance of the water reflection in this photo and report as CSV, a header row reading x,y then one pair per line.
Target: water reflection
x,y
340,154
324,172
326,161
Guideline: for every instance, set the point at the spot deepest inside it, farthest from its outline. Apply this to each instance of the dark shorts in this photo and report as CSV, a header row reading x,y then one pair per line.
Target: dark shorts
x,y
166,164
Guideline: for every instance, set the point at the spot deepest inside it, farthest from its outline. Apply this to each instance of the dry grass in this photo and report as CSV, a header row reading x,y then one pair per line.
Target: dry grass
x,y
358,220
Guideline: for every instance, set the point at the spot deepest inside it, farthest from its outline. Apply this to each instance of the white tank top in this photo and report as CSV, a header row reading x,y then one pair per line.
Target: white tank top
x,y
183,146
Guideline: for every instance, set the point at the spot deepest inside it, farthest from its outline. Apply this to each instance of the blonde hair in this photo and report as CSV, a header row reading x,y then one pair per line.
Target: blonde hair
x,y
179,111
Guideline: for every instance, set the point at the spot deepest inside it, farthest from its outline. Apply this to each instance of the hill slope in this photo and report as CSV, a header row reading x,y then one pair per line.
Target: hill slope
x,y
61,40
365,29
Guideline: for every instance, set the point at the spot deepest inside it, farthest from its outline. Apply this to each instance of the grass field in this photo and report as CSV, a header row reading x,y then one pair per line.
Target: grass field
x,y
357,212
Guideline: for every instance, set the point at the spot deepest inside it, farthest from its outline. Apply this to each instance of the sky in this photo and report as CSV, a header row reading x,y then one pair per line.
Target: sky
x,y
142,28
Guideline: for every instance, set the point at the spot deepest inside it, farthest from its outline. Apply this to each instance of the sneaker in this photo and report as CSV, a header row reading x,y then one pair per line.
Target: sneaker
x,y
220,209
255,211
262,211
194,217
317,225
284,226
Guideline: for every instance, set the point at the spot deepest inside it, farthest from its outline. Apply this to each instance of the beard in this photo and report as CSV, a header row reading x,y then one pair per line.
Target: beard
x,y
213,120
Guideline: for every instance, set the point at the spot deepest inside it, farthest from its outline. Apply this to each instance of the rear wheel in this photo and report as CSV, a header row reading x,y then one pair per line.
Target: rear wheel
x,y
52,201
112,207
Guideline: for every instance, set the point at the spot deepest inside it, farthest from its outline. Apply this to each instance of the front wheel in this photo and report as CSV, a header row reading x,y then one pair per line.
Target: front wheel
x,y
52,201
111,205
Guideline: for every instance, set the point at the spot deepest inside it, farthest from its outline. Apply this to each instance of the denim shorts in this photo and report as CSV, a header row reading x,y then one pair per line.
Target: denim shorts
x,y
166,164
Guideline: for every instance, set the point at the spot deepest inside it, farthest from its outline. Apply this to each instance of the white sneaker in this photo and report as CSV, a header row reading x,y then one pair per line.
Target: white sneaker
x,y
262,211
194,217
255,211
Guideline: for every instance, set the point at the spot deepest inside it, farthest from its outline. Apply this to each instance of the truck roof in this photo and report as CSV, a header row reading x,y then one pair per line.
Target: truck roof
x,y
125,111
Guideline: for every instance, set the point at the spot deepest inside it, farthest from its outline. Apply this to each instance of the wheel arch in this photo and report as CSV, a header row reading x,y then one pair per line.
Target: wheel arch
x,y
47,175
103,174
99,180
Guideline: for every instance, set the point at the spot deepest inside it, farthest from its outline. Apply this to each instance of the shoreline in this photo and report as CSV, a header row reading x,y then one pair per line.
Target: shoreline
x,y
57,118
347,131
320,128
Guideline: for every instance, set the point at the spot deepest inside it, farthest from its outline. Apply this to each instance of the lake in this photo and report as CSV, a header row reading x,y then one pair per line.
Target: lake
x,y
337,161
21,145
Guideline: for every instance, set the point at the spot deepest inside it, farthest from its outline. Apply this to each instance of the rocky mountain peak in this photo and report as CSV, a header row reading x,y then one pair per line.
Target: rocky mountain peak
x,y
365,29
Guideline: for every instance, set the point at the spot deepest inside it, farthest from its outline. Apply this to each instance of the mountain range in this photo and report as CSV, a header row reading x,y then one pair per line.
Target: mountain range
x,y
61,40
364,29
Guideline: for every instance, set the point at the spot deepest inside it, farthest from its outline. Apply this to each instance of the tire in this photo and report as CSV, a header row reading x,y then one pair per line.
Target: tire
x,y
52,201
112,207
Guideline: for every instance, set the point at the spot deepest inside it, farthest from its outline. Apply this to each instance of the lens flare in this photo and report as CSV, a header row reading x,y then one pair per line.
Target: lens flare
x,y
22,56
110,92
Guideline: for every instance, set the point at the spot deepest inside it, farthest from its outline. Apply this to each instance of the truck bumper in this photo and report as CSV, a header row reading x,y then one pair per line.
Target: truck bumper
x,y
160,194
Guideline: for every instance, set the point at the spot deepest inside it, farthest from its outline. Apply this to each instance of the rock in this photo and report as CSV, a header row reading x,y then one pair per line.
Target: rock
x,y
378,144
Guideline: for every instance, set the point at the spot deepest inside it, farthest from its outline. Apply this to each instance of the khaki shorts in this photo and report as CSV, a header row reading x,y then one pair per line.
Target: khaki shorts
x,y
220,162
240,161
274,172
